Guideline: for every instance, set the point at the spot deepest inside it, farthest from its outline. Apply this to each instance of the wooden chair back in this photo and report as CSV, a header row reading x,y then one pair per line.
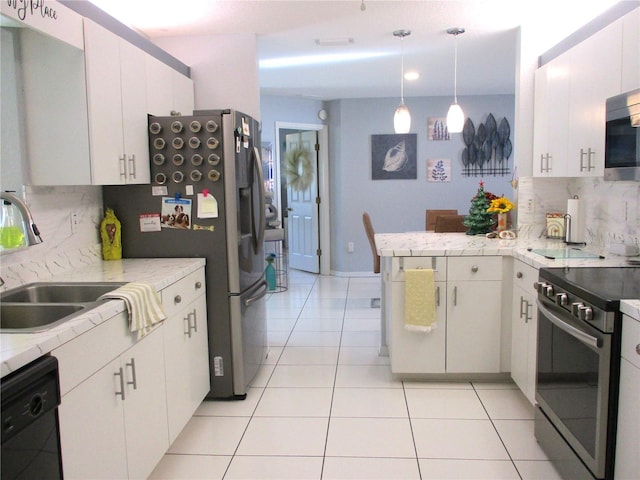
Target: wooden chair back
x,y
431,215
368,228
450,223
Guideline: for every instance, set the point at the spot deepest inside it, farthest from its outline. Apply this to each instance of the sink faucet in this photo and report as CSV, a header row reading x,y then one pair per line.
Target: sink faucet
x,y
33,234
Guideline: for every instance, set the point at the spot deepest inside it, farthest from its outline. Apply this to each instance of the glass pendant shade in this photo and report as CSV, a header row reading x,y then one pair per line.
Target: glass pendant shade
x,y
455,115
402,119
455,118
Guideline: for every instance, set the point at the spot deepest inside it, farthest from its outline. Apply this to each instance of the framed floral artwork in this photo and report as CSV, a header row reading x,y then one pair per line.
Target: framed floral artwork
x,y
394,157
438,170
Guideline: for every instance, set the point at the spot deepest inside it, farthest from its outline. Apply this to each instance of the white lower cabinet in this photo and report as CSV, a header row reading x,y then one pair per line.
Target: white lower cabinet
x,y
186,350
114,424
474,306
628,437
124,400
524,326
418,352
468,296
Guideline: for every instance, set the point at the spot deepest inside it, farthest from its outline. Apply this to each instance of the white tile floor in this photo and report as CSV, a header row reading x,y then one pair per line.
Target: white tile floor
x,y
327,406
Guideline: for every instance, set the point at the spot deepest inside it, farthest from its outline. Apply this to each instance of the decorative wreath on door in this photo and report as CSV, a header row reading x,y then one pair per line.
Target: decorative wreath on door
x,y
299,169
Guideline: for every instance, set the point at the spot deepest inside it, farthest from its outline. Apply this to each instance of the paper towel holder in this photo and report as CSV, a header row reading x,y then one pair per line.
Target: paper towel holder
x,y
568,229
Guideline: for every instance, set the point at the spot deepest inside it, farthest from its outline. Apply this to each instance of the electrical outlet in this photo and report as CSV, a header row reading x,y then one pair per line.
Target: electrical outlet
x,y
530,205
74,219
350,247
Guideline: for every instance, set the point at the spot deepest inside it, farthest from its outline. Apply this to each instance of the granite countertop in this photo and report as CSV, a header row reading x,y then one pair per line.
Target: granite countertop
x,y
631,308
19,349
423,244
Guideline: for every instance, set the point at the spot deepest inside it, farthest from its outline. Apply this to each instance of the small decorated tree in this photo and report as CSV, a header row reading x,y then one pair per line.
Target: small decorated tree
x,y
479,220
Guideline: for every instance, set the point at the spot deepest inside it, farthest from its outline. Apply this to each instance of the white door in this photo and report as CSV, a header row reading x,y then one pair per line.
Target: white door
x,y
302,206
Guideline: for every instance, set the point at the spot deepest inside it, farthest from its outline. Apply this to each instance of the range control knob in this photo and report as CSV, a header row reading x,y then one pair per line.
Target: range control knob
x,y
562,299
548,291
575,308
585,313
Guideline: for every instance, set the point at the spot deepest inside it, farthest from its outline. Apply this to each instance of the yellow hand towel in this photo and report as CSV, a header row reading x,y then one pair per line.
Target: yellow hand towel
x,y
143,306
419,300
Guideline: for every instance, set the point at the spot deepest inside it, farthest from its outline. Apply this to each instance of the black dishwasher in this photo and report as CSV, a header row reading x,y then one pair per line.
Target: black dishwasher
x,y
30,435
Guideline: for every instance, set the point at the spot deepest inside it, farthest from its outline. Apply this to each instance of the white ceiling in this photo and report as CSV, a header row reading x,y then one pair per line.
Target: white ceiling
x,y
289,28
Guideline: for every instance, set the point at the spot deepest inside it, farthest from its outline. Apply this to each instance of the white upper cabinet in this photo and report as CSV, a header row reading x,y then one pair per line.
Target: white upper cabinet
x,y
551,118
183,94
596,69
116,92
168,91
570,102
631,51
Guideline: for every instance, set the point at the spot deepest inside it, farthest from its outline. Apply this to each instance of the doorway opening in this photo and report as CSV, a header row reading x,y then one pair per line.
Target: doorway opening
x,y
301,192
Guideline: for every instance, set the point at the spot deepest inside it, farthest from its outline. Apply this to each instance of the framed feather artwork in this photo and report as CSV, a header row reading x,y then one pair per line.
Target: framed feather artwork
x,y
437,128
394,157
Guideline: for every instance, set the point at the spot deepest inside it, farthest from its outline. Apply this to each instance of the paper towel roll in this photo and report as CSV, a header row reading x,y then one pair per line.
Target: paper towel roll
x,y
576,224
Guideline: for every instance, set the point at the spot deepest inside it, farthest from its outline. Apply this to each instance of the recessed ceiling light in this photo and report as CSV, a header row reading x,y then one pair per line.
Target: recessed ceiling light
x,y
411,75
333,42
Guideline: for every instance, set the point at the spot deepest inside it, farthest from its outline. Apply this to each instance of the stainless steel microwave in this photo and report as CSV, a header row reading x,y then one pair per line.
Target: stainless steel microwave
x,y
622,140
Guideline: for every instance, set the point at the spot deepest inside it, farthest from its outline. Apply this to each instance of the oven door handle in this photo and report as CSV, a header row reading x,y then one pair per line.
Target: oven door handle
x,y
573,331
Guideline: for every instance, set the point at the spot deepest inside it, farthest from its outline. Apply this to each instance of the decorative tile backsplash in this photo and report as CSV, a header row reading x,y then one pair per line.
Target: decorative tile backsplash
x,y
61,249
612,208
613,216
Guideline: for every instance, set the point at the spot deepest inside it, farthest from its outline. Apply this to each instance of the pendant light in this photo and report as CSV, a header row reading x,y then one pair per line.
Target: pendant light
x,y
402,117
455,116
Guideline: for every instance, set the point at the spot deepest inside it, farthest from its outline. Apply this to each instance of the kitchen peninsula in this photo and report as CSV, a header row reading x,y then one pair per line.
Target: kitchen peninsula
x,y
481,285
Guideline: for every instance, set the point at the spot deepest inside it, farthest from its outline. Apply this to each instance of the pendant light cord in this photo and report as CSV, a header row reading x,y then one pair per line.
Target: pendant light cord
x,y
402,70
455,70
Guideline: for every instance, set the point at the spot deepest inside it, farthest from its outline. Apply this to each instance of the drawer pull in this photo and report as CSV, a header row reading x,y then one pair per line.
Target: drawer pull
x,y
638,349
177,299
519,275
198,285
474,269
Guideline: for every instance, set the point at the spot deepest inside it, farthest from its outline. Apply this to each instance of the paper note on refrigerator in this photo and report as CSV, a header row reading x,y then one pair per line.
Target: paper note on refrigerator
x,y
207,206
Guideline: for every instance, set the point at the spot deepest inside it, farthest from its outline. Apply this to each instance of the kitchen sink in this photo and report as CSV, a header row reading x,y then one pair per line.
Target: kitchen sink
x,y
35,317
39,306
54,292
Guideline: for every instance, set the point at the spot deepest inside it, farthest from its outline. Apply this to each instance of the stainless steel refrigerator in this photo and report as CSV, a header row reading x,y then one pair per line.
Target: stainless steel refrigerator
x,y
206,199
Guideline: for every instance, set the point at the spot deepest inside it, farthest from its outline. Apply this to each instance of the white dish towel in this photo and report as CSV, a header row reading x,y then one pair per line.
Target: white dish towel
x,y
143,306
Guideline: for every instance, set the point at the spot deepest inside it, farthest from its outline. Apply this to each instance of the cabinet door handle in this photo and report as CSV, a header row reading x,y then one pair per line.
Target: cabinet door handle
x,y
590,165
582,155
523,302
474,269
133,382
549,158
132,166
638,349
123,166
120,374
527,317
455,296
195,321
198,285
519,275
187,330
438,295
542,163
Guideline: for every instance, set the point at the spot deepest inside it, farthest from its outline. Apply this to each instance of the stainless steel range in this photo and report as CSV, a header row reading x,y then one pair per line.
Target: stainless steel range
x,y
578,366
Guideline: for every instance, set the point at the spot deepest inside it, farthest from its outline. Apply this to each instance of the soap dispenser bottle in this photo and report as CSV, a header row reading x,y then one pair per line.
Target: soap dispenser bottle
x,y
12,229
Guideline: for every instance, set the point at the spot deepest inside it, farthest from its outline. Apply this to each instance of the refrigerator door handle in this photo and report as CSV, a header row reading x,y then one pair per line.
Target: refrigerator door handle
x,y
258,236
255,298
